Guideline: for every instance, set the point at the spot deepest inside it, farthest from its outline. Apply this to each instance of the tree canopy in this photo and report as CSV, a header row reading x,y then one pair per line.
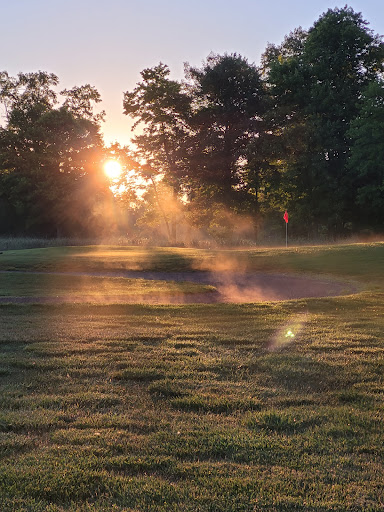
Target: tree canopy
x,y
50,174
230,141
317,81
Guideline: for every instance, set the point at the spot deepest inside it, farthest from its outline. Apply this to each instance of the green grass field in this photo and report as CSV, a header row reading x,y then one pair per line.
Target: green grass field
x,y
208,408
94,288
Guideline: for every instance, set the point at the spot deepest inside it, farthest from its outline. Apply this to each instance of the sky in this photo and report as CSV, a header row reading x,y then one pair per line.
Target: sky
x,y
107,43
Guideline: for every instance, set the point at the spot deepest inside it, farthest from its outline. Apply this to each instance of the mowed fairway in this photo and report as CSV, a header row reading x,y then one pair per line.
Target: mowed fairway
x,y
251,407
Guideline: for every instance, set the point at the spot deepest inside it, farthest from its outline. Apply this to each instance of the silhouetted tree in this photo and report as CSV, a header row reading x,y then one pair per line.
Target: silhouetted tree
x,y
163,107
196,134
50,173
228,105
316,80
366,163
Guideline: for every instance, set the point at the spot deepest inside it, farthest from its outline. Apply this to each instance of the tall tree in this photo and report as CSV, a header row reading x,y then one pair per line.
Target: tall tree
x,y
196,134
81,100
366,163
49,158
317,83
162,107
227,108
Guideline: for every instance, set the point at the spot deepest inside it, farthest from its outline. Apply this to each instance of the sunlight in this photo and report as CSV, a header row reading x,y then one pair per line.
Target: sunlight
x,y
287,335
112,169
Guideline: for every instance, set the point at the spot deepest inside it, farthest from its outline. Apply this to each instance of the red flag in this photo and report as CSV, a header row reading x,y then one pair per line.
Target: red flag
x,y
286,216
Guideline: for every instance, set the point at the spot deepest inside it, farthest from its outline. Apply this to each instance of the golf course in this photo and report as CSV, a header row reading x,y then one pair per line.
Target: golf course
x,y
168,379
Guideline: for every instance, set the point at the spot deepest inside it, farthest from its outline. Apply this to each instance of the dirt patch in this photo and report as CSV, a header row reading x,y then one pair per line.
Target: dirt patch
x,y
230,287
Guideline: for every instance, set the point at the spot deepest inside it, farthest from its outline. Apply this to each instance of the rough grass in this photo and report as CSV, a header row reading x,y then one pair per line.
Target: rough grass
x,y
357,261
253,407
93,288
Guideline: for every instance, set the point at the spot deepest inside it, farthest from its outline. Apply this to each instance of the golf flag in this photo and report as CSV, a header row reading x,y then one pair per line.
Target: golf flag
x,y
286,216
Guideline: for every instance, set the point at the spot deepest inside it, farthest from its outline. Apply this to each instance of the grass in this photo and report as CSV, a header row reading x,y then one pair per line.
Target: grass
x,y
199,407
93,288
357,261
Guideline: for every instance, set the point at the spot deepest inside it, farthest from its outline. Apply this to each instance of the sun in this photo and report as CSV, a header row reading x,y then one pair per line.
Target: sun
x,y
112,169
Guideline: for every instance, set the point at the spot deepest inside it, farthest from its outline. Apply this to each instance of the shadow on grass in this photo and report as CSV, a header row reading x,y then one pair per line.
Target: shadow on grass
x,y
303,374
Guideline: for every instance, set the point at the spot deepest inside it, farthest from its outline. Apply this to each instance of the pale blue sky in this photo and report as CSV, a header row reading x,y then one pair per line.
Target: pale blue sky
x,y
108,43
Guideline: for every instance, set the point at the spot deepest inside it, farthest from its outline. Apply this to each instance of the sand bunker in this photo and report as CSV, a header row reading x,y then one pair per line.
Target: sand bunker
x,y
252,287
230,287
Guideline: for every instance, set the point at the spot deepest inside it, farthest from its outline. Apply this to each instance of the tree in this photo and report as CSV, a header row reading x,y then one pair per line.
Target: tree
x,y
196,134
366,162
28,93
163,107
227,108
50,174
80,102
317,84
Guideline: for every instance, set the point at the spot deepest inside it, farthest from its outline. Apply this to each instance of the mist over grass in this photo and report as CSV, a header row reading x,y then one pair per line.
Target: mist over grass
x,y
94,288
358,261
222,407
199,242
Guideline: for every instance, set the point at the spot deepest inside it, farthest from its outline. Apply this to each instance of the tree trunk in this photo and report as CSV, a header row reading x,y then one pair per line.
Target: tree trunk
x,y
162,210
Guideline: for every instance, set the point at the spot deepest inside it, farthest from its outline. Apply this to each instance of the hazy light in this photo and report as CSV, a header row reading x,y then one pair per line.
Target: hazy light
x,y
112,169
289,333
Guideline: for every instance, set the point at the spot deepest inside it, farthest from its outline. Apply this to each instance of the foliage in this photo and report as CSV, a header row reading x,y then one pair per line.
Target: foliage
x,y
163,107
228,104
196,134
366,164
317,80
79,101
50,175
257,142
230,142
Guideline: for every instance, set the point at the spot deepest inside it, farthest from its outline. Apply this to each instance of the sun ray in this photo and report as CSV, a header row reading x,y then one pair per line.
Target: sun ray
x,y
112,169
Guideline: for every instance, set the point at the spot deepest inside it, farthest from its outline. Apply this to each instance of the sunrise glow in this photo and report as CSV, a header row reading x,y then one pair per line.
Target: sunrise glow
x,y
112,169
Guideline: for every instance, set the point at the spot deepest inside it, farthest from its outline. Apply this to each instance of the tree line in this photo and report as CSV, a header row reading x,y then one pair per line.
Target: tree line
x,y
231,141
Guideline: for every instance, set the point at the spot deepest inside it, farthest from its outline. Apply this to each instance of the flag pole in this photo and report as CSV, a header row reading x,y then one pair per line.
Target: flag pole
x,y
286,234
285,217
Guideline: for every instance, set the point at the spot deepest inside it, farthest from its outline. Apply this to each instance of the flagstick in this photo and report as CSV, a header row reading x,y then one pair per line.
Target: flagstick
x,y
286,234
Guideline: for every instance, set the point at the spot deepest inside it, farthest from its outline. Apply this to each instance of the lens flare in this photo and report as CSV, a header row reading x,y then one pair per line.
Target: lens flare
x,y
286,335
